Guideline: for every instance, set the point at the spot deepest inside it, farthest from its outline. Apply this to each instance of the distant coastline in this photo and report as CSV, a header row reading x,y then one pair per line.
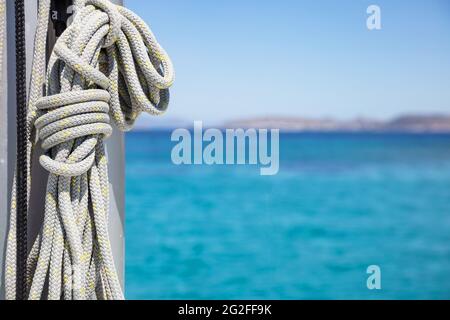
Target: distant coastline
x,y
405,123
436,123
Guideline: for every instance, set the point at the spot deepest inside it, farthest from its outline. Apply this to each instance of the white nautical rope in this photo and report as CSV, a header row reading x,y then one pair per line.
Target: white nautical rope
x,y
107,64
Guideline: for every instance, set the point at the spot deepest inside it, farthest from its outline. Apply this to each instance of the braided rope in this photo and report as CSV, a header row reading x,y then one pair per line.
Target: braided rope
x,y
21,148
107,64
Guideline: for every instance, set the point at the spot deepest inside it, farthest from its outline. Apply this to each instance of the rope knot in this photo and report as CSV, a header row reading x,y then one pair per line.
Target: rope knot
x,y
115,20
72,115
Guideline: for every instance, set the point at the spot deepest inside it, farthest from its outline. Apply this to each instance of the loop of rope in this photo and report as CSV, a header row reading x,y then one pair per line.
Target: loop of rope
x,y
84,114
115,20
106,66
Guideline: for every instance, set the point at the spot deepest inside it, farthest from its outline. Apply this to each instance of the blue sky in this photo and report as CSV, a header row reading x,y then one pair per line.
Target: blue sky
x,y
310,58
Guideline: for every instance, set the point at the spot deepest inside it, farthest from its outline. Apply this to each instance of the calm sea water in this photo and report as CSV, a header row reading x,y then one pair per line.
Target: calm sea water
x,y
340,203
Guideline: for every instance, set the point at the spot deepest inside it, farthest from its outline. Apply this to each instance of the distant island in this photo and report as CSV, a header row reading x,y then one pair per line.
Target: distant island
x,y
437,123
406,123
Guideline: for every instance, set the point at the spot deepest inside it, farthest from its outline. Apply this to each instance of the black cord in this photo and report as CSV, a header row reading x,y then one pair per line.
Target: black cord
x,y
22,133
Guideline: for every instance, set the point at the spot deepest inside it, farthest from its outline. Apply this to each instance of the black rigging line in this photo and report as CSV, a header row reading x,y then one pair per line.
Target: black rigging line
x,y
22,134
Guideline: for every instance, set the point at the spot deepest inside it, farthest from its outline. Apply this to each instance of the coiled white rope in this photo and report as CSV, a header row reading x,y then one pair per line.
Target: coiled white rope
x,y
107,64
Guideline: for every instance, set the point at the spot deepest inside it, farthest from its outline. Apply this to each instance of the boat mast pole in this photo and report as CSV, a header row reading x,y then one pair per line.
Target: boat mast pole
x,y
114,145
115,149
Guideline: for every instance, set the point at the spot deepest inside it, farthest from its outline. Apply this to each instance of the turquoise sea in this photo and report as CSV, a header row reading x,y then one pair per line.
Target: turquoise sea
x,y
340,203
